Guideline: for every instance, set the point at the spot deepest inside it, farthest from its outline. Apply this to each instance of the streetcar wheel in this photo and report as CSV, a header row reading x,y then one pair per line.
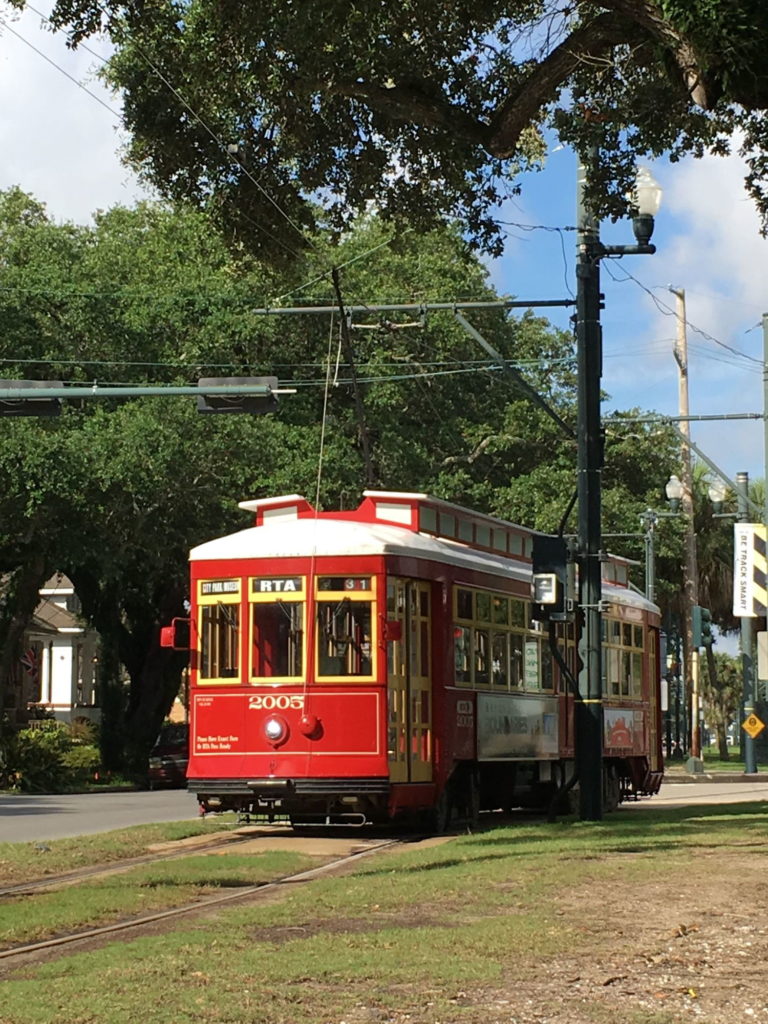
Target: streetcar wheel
x,y
437,818
612,788
473,800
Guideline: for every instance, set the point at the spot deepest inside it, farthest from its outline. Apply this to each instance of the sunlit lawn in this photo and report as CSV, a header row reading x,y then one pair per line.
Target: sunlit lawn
x,y
404,937
24,862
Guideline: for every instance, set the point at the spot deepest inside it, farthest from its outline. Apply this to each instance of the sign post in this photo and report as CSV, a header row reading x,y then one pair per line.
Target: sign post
x,y
749,601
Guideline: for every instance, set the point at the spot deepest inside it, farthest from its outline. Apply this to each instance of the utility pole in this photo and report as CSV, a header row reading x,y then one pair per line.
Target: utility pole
x,y
765,424
691,575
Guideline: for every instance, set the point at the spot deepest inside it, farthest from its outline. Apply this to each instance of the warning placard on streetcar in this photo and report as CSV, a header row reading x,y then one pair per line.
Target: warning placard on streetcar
x,y
752,725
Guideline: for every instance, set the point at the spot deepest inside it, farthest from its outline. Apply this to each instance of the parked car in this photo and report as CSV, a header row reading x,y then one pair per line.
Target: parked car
x,y
168,758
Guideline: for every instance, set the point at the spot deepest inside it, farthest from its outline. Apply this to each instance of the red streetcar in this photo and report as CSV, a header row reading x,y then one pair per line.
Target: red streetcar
x,y
362,666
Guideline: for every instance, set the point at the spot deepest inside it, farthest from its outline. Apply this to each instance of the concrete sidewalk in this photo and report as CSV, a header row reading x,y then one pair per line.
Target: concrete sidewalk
x,y
679,774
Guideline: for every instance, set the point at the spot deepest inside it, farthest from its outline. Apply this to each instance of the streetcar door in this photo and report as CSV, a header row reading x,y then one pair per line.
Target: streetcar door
x,y
409,691
654,740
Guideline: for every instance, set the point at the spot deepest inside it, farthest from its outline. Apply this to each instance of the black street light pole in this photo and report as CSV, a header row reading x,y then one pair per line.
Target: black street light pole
x,y
589,357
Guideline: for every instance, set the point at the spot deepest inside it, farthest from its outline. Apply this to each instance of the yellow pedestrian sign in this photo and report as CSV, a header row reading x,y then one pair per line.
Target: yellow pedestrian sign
x,y
752,725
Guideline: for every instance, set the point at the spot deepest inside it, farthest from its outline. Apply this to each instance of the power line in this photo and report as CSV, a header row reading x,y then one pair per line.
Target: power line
x,y
669,311
58,67
119,117
545,227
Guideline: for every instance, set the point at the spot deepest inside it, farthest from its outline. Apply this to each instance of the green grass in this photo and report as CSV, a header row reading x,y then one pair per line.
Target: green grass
x,y
712,762
405,937
138,891
25,862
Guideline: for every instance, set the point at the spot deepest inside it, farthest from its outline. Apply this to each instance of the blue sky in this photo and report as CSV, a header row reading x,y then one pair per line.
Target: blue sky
x,y
708,244
61,144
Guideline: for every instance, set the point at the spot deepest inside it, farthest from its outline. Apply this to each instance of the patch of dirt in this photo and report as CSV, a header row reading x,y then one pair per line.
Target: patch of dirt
x,y
665,952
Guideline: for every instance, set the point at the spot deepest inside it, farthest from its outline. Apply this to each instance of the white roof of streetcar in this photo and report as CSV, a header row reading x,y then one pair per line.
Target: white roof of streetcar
x,y
285,534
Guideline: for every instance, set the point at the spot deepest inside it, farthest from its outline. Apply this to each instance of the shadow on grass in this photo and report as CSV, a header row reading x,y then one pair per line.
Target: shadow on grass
x,y
659,831
201,883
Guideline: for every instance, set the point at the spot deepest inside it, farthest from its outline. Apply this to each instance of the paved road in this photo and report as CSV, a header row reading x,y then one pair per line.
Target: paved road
x,y
688,794
26,818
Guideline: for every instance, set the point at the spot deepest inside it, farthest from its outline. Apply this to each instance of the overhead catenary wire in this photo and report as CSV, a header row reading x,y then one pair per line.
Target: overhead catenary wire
x,y
119,118
225,147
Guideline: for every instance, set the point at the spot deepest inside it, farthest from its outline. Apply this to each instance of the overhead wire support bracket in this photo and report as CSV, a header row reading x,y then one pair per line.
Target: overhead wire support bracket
x,y
515,374
411,307
96,391
672,421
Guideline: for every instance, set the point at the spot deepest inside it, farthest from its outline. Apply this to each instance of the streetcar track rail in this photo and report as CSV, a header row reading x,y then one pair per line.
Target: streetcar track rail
x,y
239,894
115,867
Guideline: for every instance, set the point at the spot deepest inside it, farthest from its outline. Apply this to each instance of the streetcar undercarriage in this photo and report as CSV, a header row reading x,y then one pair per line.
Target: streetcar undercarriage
x,y
472,787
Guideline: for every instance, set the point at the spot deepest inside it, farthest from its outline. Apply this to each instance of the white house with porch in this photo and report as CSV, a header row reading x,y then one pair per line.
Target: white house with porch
x,y
60,660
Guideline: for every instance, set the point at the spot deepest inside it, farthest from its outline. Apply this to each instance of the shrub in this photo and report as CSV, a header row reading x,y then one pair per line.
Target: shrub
x,y
82,763
47,758
34,761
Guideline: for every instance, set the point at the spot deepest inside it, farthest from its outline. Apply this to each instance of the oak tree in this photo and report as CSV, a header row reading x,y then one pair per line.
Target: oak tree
x,y
426,109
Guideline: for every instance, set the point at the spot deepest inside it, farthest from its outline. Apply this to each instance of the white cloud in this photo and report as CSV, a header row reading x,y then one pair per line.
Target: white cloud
x,y
719,252
709,245
58,142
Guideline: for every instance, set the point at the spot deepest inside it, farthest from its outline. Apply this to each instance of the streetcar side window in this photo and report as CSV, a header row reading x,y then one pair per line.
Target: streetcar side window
x,y
500,662
622,659
462,647
344,615
496,644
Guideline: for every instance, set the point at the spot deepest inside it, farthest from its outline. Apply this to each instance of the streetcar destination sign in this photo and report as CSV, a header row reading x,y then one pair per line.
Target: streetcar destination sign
x,y
220,587
276,585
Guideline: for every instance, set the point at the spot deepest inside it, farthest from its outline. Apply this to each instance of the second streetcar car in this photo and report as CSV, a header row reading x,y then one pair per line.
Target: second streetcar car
x,y
352,667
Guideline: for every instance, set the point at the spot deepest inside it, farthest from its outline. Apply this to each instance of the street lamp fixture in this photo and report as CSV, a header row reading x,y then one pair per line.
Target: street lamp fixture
x,y
717,492
674,492
646,200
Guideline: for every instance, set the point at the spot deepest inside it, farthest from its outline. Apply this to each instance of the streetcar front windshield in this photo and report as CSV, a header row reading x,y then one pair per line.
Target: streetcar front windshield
x,y
278,639
344,622
219,641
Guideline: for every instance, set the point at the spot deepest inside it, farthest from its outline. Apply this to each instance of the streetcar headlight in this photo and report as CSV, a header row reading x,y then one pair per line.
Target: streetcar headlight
x,y
276,730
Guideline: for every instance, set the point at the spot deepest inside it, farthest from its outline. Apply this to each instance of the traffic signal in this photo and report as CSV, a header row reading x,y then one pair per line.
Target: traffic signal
x,y
28,404
702,626
235,401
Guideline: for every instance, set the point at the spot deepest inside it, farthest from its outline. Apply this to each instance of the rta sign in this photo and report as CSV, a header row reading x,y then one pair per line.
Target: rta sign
x,y
277,585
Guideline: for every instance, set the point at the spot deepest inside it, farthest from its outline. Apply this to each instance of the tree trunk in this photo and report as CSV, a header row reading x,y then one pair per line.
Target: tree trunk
x,y
152,693
132,714
21,597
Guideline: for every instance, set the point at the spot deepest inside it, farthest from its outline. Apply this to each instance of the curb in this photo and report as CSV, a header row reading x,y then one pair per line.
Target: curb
x,y
686,777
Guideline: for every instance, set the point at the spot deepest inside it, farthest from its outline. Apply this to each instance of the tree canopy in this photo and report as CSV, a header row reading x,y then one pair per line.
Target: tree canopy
x,y
425,109
115,495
